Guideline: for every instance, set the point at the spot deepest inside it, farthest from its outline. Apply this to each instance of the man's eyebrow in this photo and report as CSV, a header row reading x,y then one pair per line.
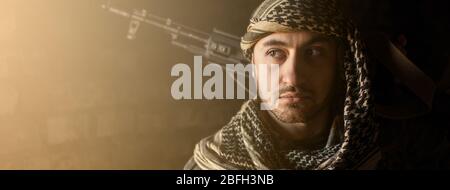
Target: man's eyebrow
x,y
318,39
275,42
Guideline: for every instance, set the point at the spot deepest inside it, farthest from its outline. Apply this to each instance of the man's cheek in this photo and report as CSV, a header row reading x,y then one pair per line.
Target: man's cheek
x,y
268,85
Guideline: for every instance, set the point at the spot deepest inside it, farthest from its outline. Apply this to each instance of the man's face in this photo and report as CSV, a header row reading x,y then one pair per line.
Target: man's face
x,y
307,64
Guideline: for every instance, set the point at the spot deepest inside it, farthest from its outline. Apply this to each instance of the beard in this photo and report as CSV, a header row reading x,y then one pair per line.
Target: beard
x,y
290,113
295,112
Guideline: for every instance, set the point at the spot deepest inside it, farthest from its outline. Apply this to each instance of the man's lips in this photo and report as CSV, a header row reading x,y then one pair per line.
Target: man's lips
x,y
293,97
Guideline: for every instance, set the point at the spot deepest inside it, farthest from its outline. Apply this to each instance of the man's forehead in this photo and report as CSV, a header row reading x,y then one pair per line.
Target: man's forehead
x,y
293,39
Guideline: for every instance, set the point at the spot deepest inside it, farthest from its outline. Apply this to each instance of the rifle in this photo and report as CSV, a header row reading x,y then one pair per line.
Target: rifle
x,y
218,47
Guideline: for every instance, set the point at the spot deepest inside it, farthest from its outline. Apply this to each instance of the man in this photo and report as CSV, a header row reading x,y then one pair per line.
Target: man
x,y
324,119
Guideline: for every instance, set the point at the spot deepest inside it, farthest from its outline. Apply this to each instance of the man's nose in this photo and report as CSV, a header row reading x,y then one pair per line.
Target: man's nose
x,y
292,71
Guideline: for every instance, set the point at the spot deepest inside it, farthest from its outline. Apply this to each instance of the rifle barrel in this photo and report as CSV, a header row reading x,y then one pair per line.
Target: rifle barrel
x,y
168,26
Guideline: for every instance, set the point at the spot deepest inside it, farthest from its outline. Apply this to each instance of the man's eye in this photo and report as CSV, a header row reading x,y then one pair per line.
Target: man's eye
x,y
276,53
313,52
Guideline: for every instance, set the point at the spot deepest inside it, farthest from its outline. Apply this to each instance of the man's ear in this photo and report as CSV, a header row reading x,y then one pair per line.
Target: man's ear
x,y
253,58
254,65
340,57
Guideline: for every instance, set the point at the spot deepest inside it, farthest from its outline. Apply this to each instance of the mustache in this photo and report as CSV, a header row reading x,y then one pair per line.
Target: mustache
x,y
294,89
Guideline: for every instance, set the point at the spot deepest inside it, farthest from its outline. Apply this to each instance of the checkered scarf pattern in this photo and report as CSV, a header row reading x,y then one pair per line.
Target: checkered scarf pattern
x,y
245,143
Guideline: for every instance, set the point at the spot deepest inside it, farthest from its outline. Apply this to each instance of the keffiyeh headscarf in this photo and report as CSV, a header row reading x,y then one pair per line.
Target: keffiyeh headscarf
x,y
246,143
